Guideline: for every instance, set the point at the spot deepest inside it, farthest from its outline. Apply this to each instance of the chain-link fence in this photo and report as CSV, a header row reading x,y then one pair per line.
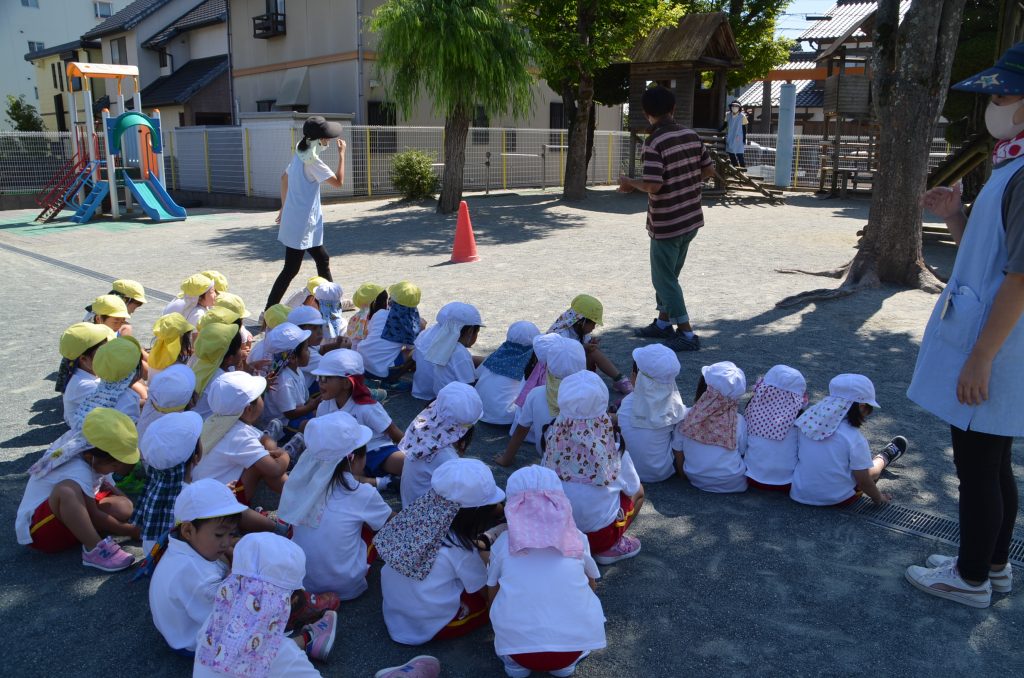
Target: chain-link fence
x,y
29,160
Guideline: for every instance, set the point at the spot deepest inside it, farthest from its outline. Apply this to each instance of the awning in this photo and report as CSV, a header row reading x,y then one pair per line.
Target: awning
x,y
77,69
295,88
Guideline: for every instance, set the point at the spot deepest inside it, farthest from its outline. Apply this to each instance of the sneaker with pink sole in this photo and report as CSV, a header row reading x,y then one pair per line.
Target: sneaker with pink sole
x,y
625,547
945,582
321,635
1002,580
423,666
108,556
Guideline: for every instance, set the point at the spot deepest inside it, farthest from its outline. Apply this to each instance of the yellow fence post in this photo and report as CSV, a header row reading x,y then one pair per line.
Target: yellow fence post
x,y
504,159
609,157
206,152
174,162
369,167
796,163
561,160
248,164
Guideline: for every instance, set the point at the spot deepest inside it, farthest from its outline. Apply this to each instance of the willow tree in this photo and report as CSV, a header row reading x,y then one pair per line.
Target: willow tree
x,y
460,54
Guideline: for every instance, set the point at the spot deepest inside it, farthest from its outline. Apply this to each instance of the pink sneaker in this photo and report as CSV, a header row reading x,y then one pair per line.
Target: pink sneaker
x,y
108,556
625,547
322,636
623,386
423,666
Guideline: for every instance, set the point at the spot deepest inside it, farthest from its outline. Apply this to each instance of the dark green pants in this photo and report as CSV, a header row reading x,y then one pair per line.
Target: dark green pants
x,y
667,259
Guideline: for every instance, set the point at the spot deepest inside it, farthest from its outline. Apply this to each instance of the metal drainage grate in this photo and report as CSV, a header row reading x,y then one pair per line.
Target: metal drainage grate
x,y
911,521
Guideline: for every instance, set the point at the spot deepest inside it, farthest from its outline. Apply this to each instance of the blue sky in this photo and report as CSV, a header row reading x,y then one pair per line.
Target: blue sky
x,y
792,23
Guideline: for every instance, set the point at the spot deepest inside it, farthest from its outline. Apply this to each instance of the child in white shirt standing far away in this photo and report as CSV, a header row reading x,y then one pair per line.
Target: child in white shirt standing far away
x,y
779,398
500,377
333,515
540,581
441,352
648,416
712,438
834,462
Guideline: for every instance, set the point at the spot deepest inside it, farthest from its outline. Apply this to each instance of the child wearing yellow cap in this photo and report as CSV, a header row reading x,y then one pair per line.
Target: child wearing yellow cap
x,y
65,502
218,350
198,293
584,314
110,310
78,346
118,364
368,299
172,343
391,333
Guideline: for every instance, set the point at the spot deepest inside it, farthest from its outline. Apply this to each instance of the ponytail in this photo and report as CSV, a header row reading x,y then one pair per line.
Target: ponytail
x,y
304,144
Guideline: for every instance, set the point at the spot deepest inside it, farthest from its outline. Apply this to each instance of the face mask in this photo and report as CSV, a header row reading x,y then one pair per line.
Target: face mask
x,y
999,120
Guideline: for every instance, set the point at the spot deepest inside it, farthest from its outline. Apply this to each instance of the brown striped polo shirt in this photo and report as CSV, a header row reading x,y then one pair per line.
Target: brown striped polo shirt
x,y
673,157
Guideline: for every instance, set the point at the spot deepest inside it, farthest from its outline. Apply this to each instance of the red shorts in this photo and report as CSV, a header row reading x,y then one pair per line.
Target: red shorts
x,y
847,502
605,538
371,550
49,535
546,661
240,494
770,488
472,615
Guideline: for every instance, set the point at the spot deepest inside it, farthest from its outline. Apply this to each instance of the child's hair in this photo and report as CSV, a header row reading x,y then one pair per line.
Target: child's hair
x,y
855,416
658,101
577,327
702,386
234,347
125,298
91,351
343,467
304,144
99,455
231,521
468,524
530,364
378,304
468,330
462,444
186,346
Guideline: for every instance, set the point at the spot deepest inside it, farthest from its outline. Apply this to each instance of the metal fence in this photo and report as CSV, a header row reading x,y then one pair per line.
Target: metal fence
x,y
249,160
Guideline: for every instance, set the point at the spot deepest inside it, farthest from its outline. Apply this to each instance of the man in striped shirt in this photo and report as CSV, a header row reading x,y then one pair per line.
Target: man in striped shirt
x,y
675,166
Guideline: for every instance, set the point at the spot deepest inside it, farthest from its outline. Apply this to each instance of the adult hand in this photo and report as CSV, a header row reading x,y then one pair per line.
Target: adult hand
x,y
277,219
624,185
341,145
943,201
972,386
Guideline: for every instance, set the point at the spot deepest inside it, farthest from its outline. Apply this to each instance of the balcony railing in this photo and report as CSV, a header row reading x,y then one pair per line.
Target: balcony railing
x,y
268,25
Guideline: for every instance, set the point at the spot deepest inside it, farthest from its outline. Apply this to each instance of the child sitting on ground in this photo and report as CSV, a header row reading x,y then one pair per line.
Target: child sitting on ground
x,y
577,322
245,633
438,434
220,281
540,579
564,357
308,319
118,364
172,343
712,438
333,515
368,299
198,294
195,563
78,347
234,450
304,296
328,304
434,572
392,332
173,390
342,388
65,503
132,293
583,449
441,352
500,377
834,462
218,350
289,399
779,398
648,416
110,310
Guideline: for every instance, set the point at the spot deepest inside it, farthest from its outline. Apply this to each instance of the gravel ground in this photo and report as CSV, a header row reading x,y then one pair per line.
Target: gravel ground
x,y
725,584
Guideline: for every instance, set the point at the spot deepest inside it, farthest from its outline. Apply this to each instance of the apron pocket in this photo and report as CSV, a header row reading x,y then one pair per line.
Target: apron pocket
x,y
962,317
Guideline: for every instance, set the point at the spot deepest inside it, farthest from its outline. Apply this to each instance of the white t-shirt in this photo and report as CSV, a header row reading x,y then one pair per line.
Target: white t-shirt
x,y
378,354
130,403
772,461
498,394
535,415
290,662
650,448
38,490
414,611
712,468
824,469
335,551
288,393
373,416
79,387
416,474
460,367
195,315
423,377
239,449
181,593
202,407
544,603
595,507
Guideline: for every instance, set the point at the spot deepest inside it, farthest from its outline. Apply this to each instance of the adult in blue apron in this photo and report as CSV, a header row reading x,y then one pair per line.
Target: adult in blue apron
x,y
735,134
301,216
970,369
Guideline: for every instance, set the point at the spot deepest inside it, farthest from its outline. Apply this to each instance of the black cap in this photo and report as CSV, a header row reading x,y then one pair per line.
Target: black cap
x,y
317,127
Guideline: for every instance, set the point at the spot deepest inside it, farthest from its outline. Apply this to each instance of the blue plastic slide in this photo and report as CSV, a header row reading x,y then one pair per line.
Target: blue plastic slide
x,y
154,200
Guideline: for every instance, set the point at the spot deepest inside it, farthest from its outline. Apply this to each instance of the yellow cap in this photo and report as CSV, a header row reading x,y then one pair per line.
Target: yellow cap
x,y
211,347
315,282
405,293
80,337
366,293
131,289
589,307
168,330
117,358
113,432
275,315
220,281
232,302
196,285
218,314
110,305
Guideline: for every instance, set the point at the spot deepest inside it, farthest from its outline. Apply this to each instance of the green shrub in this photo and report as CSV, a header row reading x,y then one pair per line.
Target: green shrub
x,y
413,174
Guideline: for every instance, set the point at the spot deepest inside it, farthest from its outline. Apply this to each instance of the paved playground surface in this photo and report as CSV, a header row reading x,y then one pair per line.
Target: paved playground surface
x,y
750,583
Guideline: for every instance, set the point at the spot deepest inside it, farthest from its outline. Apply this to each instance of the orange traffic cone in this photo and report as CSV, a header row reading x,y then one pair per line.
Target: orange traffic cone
x,y
464,250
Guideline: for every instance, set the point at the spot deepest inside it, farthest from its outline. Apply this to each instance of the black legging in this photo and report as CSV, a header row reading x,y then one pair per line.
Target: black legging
x,y
988,500
292,264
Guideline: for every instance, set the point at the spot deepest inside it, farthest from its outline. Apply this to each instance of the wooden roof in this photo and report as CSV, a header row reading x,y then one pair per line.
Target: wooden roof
x,y
698,38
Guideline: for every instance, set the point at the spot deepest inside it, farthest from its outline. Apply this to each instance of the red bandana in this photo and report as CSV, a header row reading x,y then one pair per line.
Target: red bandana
x,y
1008,149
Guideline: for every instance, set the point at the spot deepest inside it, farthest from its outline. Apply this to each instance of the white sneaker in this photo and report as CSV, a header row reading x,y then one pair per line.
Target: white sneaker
x,y
274,429
945,582
512,669
295,446
383,482
1002,581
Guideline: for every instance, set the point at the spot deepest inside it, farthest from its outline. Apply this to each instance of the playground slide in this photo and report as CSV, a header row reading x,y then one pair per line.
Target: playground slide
x,y
154,200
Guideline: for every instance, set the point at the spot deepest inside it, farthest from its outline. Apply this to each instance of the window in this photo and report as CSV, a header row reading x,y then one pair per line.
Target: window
x,y
163,58
53,73
30,3
119,51
265,105
382,114
275,6
556,120
481,136
36,90
102,10
34,46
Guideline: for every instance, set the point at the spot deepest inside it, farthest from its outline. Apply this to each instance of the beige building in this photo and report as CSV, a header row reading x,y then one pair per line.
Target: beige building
x,y
53,85
309,55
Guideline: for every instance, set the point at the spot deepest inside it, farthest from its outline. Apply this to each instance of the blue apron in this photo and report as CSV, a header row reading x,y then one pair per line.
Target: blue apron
x,y
302,219
734,133
958,318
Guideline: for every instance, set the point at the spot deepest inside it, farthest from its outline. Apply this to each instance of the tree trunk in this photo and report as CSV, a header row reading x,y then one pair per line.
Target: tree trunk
x,y
576,157
456,128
